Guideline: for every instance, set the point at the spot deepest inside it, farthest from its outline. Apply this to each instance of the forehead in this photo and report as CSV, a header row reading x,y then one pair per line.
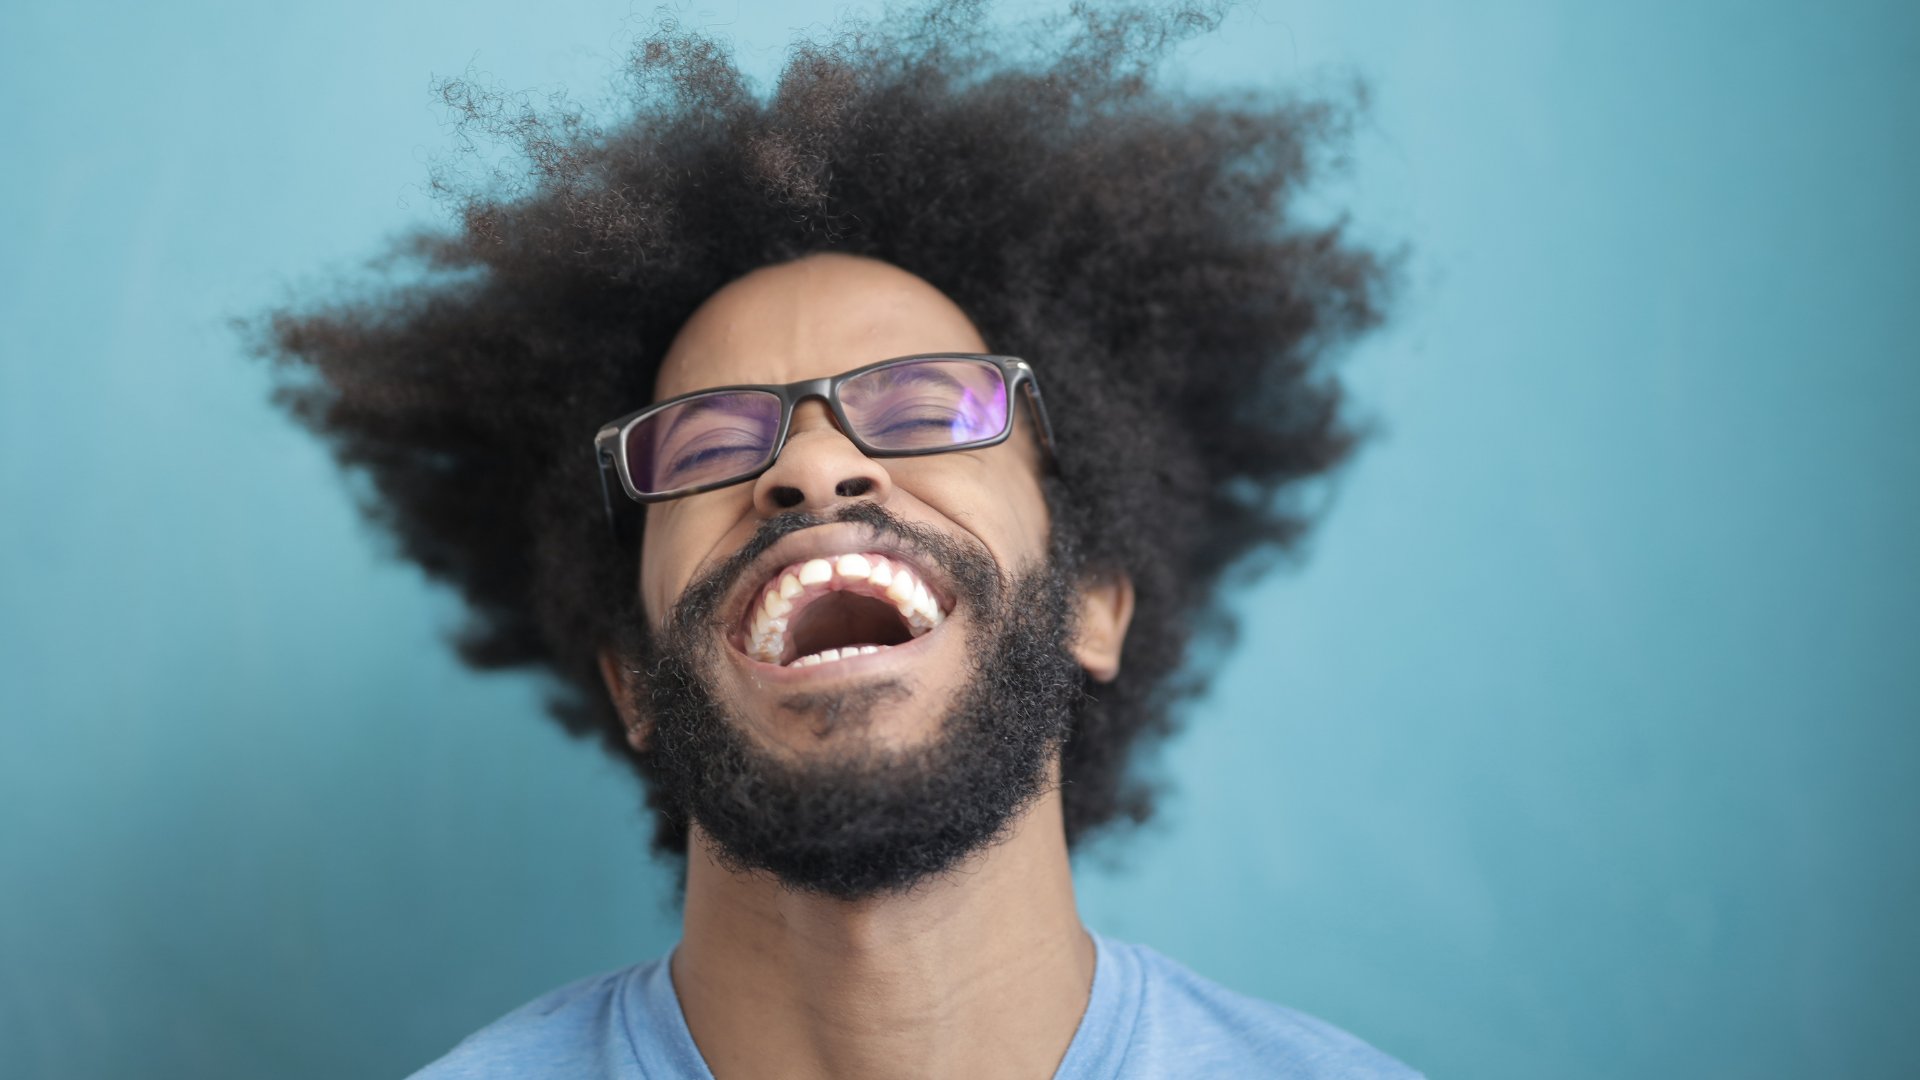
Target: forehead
x,y
811,318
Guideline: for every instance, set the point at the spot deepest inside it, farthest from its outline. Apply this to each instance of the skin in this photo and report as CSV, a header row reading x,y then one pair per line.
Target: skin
x,y
981,973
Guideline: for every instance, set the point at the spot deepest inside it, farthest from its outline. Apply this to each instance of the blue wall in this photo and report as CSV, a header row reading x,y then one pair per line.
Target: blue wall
x,y
1583,745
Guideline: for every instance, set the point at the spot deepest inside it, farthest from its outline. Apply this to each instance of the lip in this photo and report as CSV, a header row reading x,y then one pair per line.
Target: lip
x,y
821,541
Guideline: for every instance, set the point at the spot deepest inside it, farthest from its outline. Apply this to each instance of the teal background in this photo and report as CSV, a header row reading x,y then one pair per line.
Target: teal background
x,y
1582,746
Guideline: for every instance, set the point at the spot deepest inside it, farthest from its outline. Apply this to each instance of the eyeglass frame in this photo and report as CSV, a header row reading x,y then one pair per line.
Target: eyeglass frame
x,y
608,442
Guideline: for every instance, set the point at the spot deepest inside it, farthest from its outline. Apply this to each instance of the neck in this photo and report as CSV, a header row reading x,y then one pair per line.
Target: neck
x,y
983,972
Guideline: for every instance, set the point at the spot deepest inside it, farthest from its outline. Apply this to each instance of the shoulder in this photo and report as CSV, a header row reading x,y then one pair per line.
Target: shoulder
x,y
573,1031
1190,1025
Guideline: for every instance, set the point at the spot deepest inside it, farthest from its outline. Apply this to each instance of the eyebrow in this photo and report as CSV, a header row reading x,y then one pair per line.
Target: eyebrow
x,y
919,373
734,402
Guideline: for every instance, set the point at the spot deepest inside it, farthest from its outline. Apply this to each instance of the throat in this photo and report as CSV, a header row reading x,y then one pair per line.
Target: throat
x,y
843,621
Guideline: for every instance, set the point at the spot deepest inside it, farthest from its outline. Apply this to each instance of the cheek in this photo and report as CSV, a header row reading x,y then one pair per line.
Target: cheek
x,y
1022,523
655,546
998,501
1034,520
686,537
677,536
1015,468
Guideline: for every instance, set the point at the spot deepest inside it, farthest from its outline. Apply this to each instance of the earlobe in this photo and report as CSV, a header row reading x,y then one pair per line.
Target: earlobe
x,y
620,689
1106,609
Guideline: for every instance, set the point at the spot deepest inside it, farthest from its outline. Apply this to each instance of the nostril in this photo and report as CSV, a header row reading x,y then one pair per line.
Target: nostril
x,y
786,498
854,488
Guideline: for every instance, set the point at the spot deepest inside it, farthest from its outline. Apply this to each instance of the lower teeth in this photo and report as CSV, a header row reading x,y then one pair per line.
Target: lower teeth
x,y
830,655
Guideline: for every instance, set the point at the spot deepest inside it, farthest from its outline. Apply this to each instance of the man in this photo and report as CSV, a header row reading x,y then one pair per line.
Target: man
x,y
877,610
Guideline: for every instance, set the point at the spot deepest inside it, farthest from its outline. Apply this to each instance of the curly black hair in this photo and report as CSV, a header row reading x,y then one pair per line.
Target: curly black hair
x,y
1140,245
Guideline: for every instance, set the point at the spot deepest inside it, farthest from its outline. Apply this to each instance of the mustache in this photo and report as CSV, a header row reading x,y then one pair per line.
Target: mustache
x,y
976,575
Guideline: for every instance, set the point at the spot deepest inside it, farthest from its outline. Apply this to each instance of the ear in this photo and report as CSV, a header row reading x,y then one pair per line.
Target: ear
x,y
619,682
1106,608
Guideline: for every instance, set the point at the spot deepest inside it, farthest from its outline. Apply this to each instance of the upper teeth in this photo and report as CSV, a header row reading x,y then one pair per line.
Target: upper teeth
x,y
867,573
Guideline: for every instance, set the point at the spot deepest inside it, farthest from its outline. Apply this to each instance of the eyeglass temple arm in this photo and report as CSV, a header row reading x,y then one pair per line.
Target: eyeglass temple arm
x,y
1045,426
619,523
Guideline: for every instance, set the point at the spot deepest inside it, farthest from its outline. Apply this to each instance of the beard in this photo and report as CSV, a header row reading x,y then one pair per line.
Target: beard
x,y
867,820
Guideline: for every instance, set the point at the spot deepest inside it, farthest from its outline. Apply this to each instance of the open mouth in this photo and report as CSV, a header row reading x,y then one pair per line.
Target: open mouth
x,y
836,607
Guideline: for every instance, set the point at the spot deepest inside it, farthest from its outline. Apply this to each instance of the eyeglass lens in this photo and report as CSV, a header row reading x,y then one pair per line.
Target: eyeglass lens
x,y
918,405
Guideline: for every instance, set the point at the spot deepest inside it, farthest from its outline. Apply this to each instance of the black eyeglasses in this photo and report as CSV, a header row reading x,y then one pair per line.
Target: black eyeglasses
x,y
933,403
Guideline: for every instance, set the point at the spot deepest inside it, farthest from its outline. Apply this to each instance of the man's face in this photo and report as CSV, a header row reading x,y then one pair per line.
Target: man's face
x,y
809,319
855,775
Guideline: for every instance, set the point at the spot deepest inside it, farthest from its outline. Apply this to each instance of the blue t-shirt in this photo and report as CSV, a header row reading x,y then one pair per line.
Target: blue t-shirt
x,y
1148,1017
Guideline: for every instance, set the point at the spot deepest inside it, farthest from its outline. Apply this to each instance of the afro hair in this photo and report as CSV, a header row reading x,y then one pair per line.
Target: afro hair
x,y
1141,246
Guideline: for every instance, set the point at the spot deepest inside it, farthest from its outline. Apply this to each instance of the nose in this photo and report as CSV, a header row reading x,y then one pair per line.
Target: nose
x,y
818,468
